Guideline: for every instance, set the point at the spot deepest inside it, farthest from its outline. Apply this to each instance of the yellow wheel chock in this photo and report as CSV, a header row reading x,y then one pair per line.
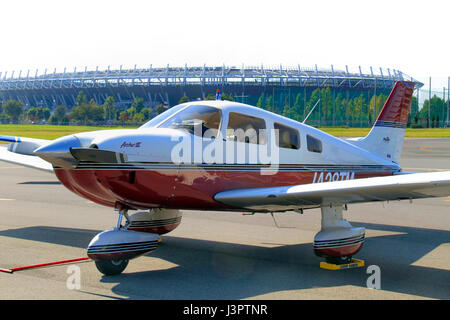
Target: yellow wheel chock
x,y
355,263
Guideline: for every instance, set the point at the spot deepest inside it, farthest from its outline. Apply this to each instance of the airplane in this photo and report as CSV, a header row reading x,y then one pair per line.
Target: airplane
x,y
228,156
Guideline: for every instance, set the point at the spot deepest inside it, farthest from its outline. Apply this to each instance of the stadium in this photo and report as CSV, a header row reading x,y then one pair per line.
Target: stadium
x,y
167,85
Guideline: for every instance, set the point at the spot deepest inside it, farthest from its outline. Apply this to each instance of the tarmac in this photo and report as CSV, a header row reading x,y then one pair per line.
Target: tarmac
x,y
222,255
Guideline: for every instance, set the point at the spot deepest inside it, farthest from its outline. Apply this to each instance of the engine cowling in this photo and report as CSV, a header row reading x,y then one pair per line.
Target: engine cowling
x,y
121,244
158,221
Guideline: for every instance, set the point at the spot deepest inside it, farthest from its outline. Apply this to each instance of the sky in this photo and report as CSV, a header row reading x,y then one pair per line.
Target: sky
x,y
410,36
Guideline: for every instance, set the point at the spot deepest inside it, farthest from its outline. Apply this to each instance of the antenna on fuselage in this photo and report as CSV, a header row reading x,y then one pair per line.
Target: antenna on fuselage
x,y
311,111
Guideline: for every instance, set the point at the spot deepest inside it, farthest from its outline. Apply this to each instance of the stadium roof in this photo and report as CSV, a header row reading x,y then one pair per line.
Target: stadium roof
x,y
203,76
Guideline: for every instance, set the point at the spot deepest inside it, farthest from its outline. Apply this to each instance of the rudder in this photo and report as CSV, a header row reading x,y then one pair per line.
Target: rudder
x,y
387,135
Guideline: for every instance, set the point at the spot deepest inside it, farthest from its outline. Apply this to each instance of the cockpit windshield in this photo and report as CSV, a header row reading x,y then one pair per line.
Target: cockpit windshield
x,y
163,116
196,120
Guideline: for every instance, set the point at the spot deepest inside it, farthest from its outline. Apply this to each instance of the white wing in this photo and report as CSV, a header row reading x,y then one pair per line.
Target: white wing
x,y
20,151
397,187
27,161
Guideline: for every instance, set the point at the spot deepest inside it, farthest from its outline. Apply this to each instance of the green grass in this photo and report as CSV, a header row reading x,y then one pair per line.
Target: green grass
x,y
362,132
46,131
436,133
52,132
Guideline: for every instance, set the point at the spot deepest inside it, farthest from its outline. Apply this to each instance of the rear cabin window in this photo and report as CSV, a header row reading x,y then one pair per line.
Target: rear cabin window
x,y
314,145
247,129
286,137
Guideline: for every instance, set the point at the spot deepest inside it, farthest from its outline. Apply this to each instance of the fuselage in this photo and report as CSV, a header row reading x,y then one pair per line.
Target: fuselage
x,y
182,158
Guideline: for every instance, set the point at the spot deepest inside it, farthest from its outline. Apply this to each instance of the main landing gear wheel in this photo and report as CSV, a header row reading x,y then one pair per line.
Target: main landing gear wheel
x,y
339,260
337,240
111,267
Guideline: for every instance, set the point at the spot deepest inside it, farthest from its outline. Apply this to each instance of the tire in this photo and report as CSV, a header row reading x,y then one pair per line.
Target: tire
x,y
339,260
111,267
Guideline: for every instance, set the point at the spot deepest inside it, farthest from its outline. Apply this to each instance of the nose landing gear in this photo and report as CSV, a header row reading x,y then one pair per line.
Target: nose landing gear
x,y
112,249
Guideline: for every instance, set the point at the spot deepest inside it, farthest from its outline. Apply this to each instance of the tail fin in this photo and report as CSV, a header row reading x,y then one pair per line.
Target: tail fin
x,y
387,135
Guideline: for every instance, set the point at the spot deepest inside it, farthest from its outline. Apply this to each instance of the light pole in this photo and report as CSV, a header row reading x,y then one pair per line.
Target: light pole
x,y
429,106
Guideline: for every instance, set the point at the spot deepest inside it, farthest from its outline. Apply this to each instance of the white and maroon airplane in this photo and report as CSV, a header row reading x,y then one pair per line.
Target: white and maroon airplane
x,y
227,156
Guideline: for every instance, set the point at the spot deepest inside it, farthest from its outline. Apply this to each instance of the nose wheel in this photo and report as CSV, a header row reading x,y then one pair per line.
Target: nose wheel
x,y
114,267
111,267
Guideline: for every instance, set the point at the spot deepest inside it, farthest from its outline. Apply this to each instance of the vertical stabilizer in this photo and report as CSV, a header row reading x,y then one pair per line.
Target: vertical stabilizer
x,y
387,135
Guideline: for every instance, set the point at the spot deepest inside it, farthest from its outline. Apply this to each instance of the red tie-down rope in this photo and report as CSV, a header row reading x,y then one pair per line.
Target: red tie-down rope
x,y
43,265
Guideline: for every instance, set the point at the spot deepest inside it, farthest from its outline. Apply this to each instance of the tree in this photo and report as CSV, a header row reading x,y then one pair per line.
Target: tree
x,y
81,98
13,109
59,115
298,107
183,99
60,111
260,103
326,104
109,108
340,109
358,108
436,105
46,113
32,114
315,96
225,96
269,104
381,100
138,117
210,96
131,112
160,108
138,104
414,110
147,112
124,116
87,112
423,113
289,112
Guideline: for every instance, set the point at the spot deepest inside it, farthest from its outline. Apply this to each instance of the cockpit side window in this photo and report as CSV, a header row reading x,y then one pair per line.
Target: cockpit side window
x,y
247,129
196,120
313,144
286,137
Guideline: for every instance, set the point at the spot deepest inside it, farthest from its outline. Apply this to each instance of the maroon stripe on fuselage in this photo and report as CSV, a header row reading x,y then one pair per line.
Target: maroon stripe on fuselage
x,y
183,189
